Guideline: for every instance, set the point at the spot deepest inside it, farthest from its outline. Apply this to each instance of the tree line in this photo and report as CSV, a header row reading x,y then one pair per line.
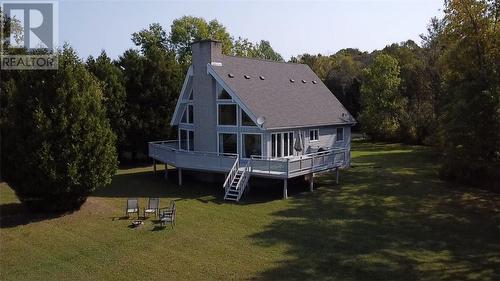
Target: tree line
x,y
444,93
70,128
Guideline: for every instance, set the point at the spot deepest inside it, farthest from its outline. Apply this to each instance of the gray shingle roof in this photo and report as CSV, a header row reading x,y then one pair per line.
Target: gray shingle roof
x,y
283,103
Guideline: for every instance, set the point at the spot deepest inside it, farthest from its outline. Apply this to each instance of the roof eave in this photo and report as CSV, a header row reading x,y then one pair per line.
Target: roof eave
x,y
312,125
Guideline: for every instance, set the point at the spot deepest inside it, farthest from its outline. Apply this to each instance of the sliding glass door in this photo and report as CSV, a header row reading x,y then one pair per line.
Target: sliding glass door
x,y
282,144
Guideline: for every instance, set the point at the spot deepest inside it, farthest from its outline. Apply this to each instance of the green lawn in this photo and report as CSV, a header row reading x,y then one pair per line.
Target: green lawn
x,y
390,218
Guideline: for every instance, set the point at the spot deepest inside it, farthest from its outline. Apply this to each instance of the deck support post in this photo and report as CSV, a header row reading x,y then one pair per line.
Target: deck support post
x,y
179,170
154,166
337,175
285,189
311,182
166,172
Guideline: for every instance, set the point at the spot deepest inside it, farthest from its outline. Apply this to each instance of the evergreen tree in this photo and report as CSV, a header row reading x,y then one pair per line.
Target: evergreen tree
x,y
57,143
114,95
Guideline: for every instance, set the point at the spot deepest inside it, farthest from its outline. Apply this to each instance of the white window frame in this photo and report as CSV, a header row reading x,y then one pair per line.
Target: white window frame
x,y
242,146
237,111
282,144
315,133
240,113
229,133
219,91
186,111
188,141
336,134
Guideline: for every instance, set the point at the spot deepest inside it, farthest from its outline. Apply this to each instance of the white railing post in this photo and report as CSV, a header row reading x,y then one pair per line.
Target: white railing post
x,y
288,167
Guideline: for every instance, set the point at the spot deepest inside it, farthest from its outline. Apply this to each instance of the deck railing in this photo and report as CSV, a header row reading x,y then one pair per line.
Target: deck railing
x,y
297,165
169,152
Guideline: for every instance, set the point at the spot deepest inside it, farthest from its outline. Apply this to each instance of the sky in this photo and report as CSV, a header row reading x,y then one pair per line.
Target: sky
x,y
292,27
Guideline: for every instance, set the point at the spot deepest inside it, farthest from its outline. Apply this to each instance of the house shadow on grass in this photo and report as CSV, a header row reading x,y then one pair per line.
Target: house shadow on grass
x,y
146,184
390,219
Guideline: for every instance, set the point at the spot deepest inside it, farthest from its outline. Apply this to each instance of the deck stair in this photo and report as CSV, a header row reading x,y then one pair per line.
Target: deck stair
x,y
236,181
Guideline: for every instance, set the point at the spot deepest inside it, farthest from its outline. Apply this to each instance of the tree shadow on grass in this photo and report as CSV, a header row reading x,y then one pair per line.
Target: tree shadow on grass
x,y
390,219
16,214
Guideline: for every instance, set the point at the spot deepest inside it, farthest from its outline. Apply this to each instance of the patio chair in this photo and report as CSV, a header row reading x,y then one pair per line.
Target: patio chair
x,y
132,207
167,215
153,207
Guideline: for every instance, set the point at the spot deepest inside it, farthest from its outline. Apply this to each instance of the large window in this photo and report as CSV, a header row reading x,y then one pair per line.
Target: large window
x,y
282,144
188,115
314,135
246,121
227,115
252,145
186,139
228,143
340,134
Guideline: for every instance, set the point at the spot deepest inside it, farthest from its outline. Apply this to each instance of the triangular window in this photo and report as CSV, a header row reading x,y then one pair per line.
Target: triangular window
x,y
184,116
246,120
224,95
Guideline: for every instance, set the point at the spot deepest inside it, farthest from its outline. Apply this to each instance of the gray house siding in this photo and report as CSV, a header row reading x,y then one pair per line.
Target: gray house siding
x,y
327,138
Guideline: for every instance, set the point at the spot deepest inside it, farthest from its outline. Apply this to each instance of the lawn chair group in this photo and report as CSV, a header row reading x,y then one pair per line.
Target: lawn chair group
x,y
165,215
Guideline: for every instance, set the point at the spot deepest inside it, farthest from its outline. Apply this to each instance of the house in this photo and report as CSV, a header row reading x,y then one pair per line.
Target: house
x,y
254,118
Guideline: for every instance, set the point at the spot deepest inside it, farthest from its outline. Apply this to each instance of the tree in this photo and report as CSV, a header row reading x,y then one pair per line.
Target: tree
x,y
114,95
152,37
189,29
264,50
381,103
471,117
58,145
242,47
418,121
344,80
152,80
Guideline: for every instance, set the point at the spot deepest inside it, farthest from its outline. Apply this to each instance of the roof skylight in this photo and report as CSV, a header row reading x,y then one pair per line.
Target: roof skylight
x,y
291,80
230,75
262,77
304,81
246,76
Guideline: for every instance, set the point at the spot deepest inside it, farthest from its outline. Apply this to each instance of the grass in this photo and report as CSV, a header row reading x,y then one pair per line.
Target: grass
x,y
390,218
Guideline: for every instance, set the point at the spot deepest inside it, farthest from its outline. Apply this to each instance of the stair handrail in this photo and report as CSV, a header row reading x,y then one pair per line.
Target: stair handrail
x,y
232,172
245,176
246,170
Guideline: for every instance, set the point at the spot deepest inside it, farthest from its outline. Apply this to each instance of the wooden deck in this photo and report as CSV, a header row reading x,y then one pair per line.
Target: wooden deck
x,y
168,152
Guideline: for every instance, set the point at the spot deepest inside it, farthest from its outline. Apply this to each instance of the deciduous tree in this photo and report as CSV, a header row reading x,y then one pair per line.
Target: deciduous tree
x,y
381,103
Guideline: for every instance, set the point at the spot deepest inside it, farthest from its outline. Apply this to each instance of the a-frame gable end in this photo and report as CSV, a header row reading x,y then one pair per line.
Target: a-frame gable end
x,y
233,95
183,97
